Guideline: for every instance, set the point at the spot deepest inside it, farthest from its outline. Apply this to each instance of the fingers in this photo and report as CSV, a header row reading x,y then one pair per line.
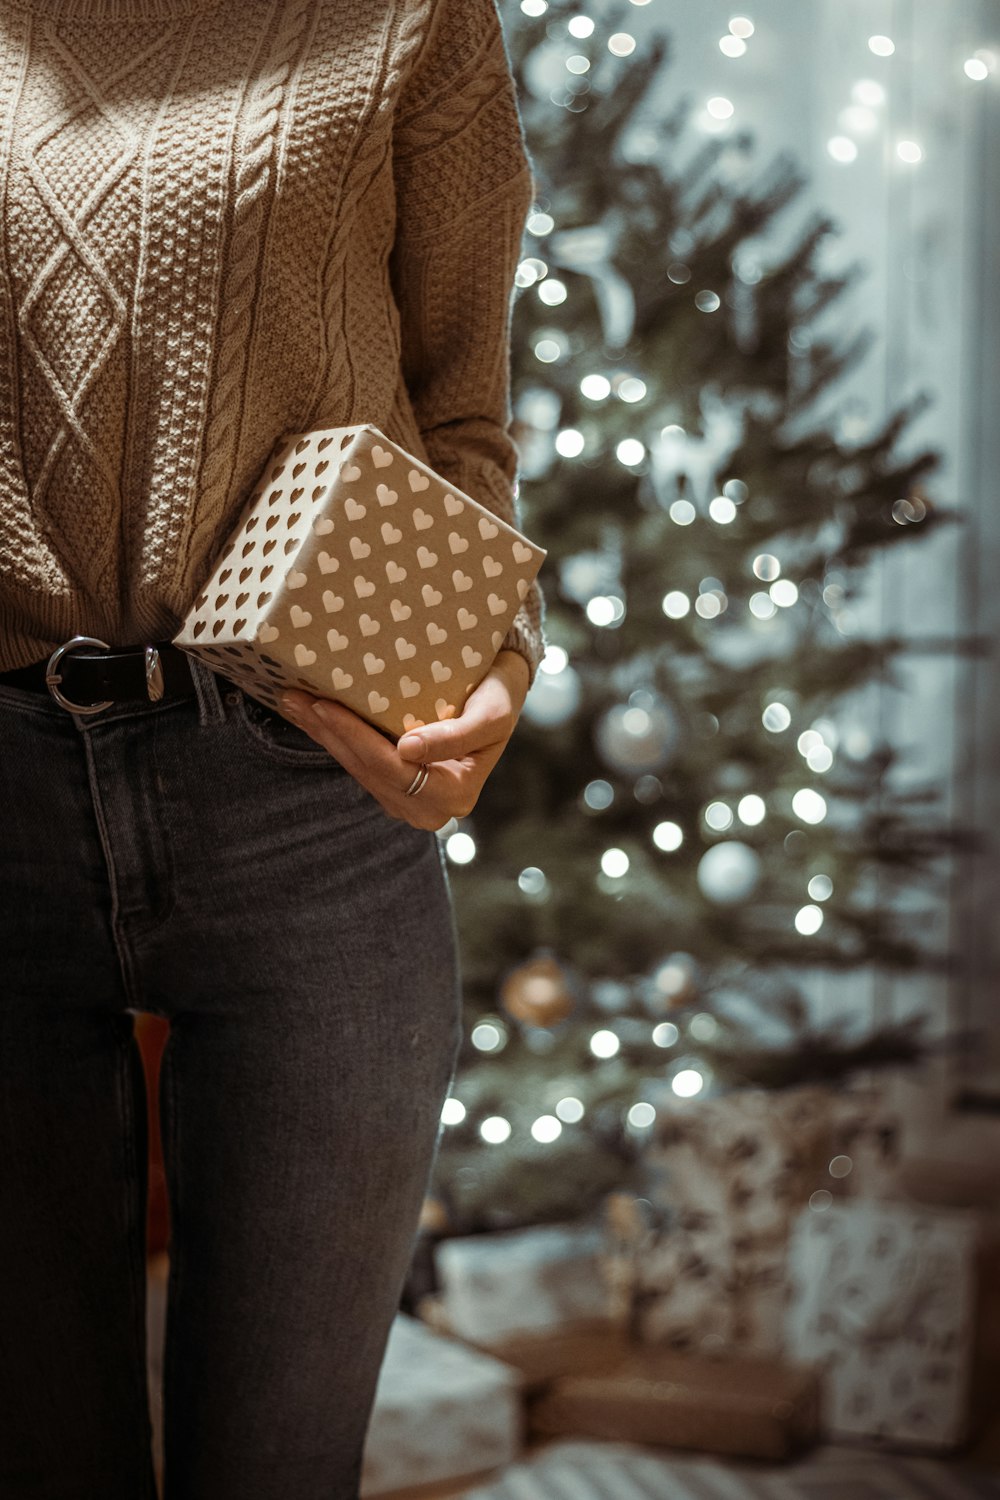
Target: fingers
x,y
374,762
486,720
460,753
359,747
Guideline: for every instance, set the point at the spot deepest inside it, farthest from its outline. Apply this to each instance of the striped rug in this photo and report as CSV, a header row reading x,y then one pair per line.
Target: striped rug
x,y
578,1470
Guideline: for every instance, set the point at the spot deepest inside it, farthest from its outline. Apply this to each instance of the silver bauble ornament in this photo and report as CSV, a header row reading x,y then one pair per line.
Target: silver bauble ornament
x,y
545,68
639,736
729,872
553,697
586,575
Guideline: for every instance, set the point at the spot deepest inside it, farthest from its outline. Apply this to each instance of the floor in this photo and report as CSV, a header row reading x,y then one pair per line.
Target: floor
x,y
574,1469
561,1469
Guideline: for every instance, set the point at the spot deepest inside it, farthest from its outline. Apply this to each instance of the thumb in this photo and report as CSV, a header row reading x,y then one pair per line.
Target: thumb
x,y
412,746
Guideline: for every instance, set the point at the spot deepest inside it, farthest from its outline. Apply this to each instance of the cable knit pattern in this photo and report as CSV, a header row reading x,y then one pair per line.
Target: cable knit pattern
x,y
225,220
370,154
253,182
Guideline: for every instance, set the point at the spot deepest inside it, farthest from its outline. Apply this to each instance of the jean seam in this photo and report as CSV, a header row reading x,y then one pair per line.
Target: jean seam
x,y
135,1237
167,845
117,713
41,706
168,1086
208,693
27,701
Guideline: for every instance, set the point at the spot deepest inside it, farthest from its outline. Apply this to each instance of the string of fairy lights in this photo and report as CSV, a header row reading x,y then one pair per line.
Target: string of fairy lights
x,y
728,870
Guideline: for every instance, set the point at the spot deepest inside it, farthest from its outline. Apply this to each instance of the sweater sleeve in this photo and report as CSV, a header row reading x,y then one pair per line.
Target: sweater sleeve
x,y
464,185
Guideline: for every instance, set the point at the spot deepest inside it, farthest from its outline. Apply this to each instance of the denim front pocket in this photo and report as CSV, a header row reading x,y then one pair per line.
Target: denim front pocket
x,y
270,733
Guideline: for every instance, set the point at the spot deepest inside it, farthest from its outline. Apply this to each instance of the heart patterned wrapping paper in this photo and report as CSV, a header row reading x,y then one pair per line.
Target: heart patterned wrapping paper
x,y
358,573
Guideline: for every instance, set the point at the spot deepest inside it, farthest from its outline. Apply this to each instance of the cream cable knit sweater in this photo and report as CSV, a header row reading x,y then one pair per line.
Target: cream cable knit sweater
x,y
223,220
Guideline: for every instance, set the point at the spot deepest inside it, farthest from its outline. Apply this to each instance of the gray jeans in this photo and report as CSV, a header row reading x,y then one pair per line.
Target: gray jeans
x,y
204,860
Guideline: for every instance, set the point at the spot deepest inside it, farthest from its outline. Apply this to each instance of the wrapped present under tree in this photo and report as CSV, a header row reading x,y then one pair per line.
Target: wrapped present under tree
x,y
701,1262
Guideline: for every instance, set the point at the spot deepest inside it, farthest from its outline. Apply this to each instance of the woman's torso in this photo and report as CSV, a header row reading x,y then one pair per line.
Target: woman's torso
x,y
197,214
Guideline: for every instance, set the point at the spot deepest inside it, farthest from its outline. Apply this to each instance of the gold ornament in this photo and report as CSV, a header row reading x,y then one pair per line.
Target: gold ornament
x,y
433,1217
537,993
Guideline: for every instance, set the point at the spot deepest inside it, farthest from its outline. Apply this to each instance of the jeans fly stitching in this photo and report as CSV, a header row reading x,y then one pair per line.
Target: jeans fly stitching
x,y
125,958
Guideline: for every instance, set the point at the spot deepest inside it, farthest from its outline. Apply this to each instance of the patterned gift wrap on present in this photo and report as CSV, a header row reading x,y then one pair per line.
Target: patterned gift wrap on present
x,y
700,1292
358,573
441,1412
884,1299
750,1158
728,1176
518,1279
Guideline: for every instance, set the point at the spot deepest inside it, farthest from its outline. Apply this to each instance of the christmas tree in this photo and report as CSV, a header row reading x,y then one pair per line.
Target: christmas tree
x,y
693,807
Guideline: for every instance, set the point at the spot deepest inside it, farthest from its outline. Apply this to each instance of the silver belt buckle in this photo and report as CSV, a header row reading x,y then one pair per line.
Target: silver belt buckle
x,y
53,678
154,675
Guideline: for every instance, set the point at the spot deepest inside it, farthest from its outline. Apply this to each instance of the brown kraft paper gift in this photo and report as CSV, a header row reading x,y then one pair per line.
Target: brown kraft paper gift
x,y
589,1380
358,573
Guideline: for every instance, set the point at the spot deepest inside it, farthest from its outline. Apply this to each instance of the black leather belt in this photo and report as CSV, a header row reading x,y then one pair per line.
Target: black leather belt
x,y
83,678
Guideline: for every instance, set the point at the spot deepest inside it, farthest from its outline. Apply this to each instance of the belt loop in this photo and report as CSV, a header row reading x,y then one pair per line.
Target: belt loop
x,y
206,686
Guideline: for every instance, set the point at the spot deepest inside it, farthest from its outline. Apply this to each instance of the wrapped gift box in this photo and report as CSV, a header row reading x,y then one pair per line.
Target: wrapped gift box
x,y
442,1411
537,1357
517,1279
750,1407
699,1292
753,1154
358,573
883,1295
587,1379
728,1176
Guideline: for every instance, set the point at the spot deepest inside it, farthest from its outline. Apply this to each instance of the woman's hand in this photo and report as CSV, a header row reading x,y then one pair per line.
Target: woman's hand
x,y
459,753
